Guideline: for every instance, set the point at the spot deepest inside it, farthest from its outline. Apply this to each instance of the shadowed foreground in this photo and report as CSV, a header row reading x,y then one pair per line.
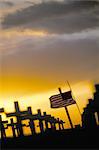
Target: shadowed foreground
x,y
77,138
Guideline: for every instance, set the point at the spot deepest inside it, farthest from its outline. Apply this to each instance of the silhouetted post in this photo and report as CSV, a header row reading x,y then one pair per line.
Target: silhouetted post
x,y
2,128
69,117
12,125
62,123
54,126
40,121
31,122
67,112
59,123
53,122
13,129
46,122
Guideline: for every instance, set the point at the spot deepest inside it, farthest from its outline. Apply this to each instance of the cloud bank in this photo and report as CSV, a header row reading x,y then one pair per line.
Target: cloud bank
x,y
56,17
43,45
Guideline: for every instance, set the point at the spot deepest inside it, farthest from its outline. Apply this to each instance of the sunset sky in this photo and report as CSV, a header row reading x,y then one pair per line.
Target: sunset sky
x,y
44,43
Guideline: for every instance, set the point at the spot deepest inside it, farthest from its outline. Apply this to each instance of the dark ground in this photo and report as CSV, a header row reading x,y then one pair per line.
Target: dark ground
x,y
76,138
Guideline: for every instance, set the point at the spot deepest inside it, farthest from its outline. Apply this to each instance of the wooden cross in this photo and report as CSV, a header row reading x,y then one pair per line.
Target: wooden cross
x,y
14,126
2,128
18,115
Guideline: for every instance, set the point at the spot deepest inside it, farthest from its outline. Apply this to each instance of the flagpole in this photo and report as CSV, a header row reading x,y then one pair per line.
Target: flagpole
x,y
68,117
67,111
73,96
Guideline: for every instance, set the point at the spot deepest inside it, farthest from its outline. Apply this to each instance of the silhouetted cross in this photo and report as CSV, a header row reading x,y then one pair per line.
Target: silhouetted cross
x,y
18,115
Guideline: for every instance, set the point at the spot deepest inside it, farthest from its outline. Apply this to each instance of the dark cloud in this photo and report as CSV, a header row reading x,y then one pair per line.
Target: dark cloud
x,y
6,3
58,17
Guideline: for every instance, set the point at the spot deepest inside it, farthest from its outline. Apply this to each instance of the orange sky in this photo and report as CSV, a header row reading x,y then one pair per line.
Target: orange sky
x,y
81,91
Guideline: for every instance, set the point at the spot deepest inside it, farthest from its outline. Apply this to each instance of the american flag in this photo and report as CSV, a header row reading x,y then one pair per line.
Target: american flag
x,y
61,100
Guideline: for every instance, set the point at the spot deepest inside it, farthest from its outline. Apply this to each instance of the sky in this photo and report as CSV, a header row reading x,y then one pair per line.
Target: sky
x,y
44,43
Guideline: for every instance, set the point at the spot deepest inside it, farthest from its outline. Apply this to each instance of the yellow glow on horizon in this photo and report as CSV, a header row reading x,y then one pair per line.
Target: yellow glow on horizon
x,y
42,98
82,91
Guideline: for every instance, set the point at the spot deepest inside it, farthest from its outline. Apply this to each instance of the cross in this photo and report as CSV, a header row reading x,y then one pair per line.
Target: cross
x,y
2,128
14,126
18,115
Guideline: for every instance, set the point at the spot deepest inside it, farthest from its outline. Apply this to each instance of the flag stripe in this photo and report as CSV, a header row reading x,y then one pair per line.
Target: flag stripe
x,y
59,102
52,98
62,105
63,102
56,99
